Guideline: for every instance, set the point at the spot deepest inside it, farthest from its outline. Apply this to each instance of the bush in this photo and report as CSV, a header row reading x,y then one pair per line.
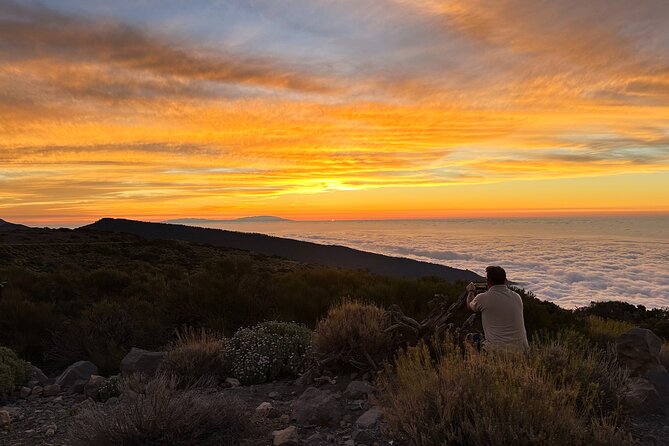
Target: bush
x,y
604,331
13,371
162,415
111,388
268,351
196,358
352,335
482,399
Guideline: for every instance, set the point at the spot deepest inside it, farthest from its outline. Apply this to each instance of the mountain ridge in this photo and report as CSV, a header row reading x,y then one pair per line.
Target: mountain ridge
x,y
301,251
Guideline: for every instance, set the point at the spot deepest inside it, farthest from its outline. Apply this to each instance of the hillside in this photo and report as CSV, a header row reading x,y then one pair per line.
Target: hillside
x,y
307,252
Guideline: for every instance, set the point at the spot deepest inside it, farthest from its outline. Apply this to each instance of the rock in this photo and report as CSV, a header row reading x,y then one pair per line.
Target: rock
x,y
349,442
363,437
51,390
314,438
36,374
25,392
51,430
37,391
264,408
232,382
639,351
78,387
284,419
285,437
642,397
274,395
80,398
305,379
142,362
92,387
317,407
357,390
5,418
369,419
78,370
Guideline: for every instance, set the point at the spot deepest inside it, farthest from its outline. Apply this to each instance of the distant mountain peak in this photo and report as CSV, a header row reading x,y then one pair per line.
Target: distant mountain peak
x,y
4,224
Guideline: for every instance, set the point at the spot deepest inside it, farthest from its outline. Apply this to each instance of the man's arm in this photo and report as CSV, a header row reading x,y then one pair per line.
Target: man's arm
x,y
471,294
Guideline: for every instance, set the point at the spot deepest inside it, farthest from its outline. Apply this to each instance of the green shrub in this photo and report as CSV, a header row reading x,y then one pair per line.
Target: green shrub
x,y
13,371
353,335
268,351
483,399
196,358
604,331
161,414
111,388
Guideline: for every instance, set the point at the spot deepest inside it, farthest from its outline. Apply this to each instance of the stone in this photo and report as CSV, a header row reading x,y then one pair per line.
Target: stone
x,y
363,437
318,407
357,390
141,362
349,442
51,430
305,379
51,390
642,397
639,351
38,375
37,391
5,418
284,419
369,419
92,387
78,387
78,370
25,392
314,438
80,398
274,395
264,408
232,382
285,437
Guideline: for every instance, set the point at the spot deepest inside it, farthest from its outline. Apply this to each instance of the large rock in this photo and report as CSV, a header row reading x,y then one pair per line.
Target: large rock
x,y
5,418
36,374
78,370
285,437
357,390
642,397
318,407
369,419
51,390
639,351
141,362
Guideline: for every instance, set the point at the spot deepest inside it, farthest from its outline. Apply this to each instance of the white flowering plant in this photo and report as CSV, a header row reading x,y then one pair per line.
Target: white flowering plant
x,y
268,351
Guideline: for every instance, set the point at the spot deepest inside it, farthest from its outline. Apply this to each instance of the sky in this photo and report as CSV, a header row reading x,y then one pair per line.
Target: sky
x,y
332,109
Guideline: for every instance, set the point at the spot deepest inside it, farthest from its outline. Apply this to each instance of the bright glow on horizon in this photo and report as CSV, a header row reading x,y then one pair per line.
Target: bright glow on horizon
x,y
362,109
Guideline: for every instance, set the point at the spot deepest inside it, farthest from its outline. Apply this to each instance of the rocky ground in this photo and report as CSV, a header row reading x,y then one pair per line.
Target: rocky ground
x,y
340,412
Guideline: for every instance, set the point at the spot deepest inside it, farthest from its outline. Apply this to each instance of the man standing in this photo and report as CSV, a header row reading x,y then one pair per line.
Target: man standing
x,y
501,312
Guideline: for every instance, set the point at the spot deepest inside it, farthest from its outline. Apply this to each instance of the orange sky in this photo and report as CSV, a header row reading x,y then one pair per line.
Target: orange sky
x,y
324,109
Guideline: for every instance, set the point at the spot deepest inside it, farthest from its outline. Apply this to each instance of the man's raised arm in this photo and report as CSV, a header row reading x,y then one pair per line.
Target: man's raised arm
x,y
471,294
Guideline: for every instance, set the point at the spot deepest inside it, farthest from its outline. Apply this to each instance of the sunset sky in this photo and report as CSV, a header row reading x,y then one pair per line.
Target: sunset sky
x,y
319,109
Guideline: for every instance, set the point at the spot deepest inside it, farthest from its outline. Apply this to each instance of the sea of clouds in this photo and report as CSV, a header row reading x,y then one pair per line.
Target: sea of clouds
x,y
570,262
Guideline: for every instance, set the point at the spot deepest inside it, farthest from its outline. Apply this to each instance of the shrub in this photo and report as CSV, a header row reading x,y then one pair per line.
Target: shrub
x,y
603,330
111,388
197,357
13,371
162,415
482,399
268,351
352,334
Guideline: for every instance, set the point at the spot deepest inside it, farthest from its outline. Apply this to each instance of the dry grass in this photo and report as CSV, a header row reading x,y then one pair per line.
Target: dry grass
x,y
196,358
604,330
352,334
493,400
162,415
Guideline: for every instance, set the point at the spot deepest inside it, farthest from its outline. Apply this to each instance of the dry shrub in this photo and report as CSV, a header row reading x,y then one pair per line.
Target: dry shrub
x,y
604,330
486,399
196,358
162,415
353,334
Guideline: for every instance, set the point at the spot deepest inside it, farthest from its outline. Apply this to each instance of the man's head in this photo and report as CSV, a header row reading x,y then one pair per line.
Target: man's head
x,y
495,275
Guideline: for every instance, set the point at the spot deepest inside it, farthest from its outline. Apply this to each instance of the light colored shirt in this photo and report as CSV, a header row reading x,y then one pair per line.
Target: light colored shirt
x,y
502,317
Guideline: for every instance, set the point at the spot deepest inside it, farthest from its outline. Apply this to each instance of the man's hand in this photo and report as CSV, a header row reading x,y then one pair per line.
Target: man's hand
x,y
471,293
471,288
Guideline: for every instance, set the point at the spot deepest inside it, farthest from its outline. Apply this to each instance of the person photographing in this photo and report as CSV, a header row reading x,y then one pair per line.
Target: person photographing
x,y
501,312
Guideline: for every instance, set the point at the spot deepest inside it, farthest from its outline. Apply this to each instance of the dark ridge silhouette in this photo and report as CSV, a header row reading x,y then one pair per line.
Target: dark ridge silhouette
x,y
307,252
7,226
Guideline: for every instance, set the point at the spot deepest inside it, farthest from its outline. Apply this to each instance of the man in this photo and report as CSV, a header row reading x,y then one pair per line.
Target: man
x,y
501,312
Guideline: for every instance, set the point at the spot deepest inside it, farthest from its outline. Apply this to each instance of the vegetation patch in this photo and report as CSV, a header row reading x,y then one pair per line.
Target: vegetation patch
x,y
13,371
